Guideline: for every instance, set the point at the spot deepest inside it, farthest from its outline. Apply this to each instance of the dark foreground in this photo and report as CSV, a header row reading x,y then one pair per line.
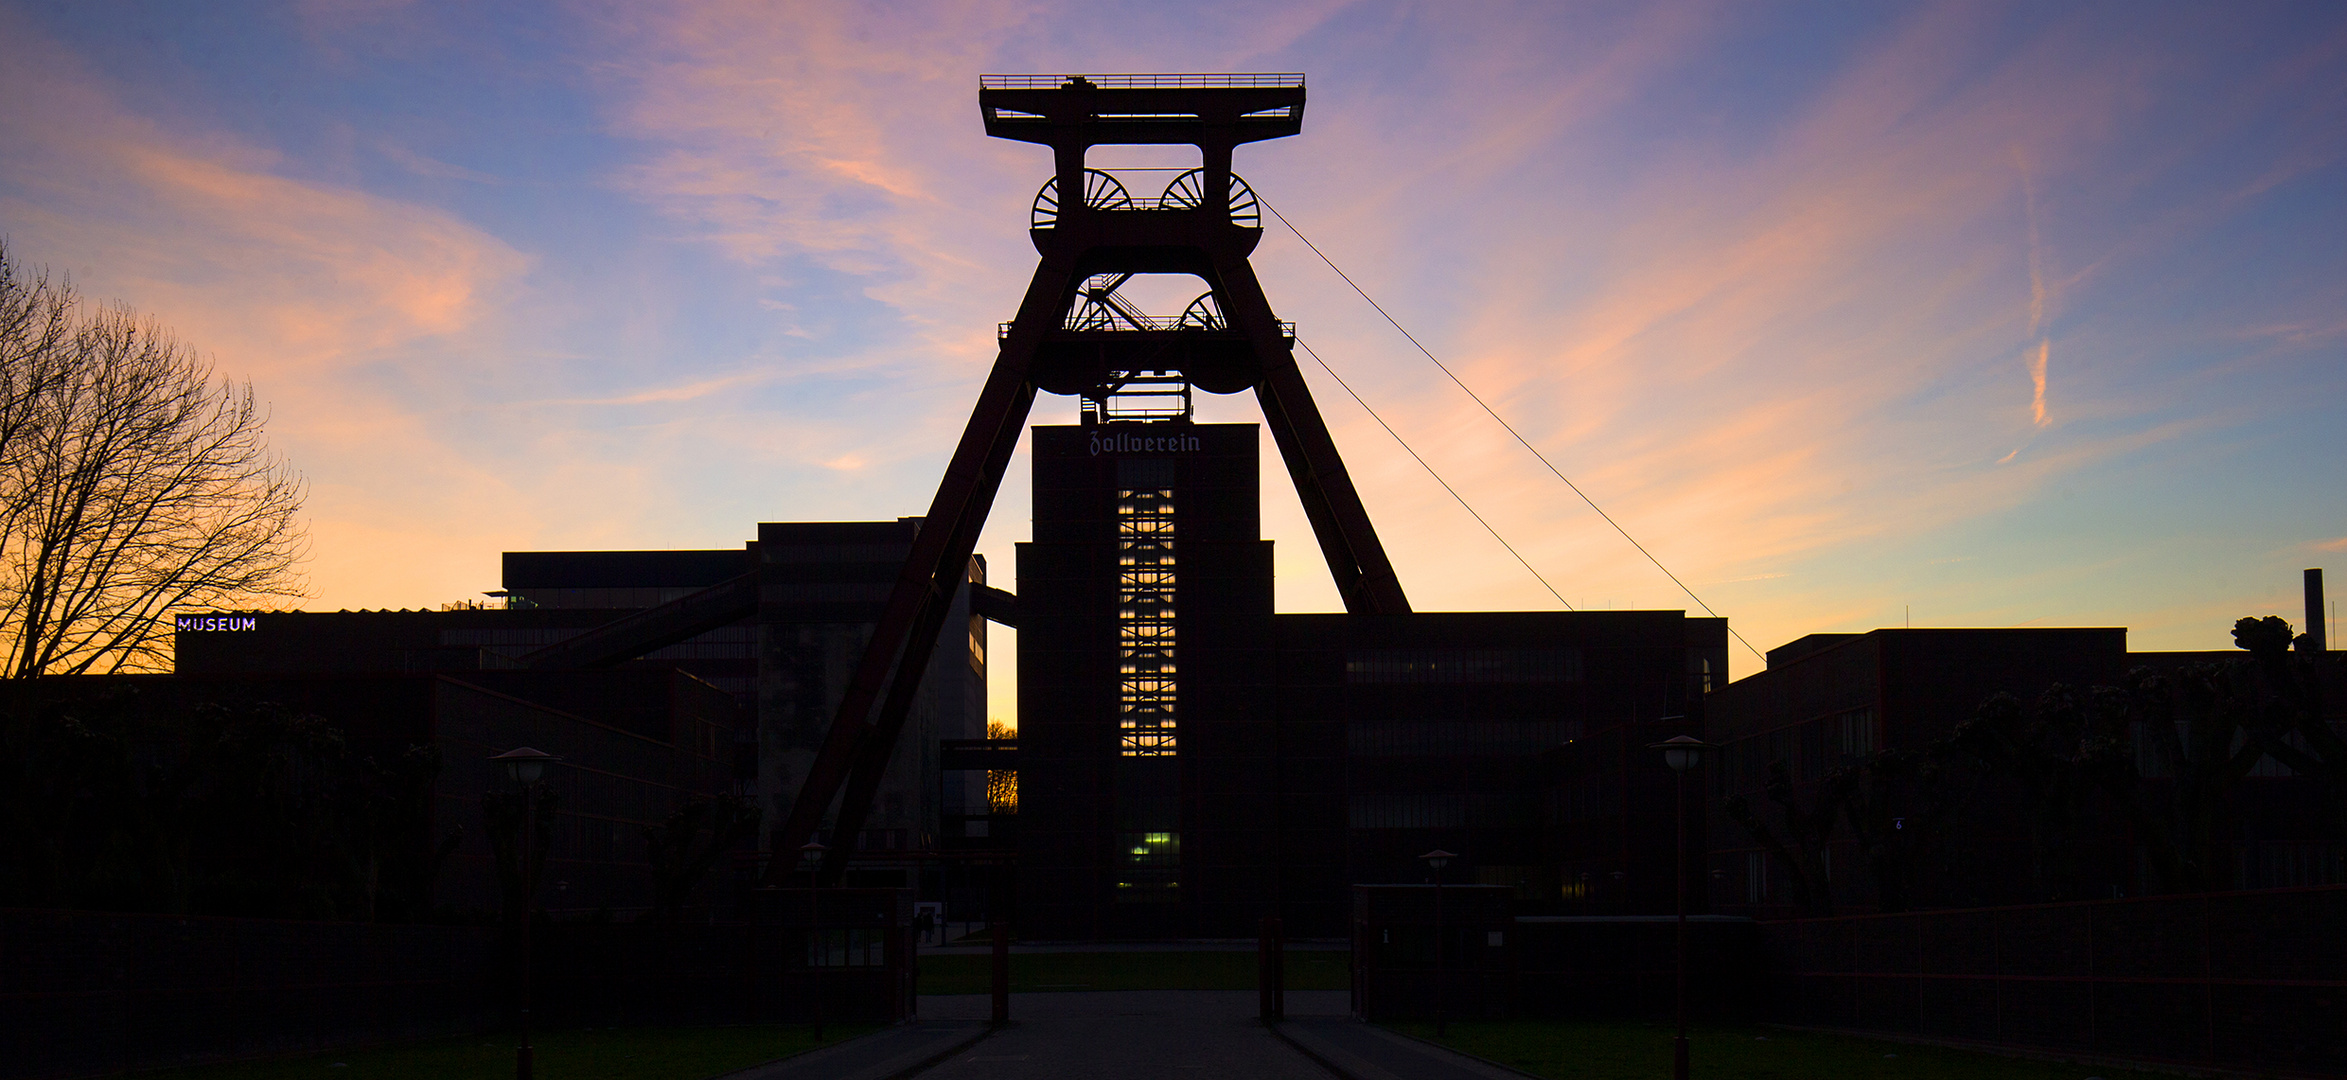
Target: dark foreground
x,y
1159,1035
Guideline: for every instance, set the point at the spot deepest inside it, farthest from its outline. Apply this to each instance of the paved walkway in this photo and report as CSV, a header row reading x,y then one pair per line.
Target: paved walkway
x,y
1358,1051
1229,945
1131,1035
1125,1035
883,1055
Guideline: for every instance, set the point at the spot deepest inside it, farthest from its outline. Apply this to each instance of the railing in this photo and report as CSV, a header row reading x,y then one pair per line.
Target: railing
x,y
1230,81
1145,322
1148,202
1146,403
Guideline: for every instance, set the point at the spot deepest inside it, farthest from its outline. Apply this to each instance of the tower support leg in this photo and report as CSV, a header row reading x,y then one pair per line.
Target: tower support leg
x,y
889,674
1364,577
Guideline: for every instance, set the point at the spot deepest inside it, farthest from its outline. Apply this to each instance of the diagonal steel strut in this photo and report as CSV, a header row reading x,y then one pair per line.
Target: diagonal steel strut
x,y
1364,577
859,741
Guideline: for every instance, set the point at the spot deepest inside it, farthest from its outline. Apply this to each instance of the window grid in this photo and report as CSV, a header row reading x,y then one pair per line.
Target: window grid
x,y
1145,622
1441,665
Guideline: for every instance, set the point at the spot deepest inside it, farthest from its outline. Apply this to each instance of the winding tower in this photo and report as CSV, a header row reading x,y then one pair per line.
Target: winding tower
x,y
1075,335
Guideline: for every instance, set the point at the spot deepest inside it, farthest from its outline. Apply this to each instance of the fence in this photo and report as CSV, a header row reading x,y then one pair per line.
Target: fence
x,y
726,973
1627,965
2248,980
88,994
1402,969
850,949
85,994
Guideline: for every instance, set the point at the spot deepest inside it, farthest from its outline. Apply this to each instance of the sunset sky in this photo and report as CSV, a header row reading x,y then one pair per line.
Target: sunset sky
x,y
2004,314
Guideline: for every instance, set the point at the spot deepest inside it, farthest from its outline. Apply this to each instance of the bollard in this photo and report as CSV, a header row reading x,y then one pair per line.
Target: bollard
x,y
1002,973
1271,976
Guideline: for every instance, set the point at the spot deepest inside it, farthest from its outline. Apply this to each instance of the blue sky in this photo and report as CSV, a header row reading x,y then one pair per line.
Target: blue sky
x,y
2005,314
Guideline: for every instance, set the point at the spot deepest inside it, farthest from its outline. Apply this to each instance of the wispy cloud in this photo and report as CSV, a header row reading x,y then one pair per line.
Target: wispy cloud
x,y
2037,362
286,271
698,388
2037,297
433,168
1748,577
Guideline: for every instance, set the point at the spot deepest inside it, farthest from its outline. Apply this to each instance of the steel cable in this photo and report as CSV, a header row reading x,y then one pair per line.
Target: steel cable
x,y
1502,421
1446,486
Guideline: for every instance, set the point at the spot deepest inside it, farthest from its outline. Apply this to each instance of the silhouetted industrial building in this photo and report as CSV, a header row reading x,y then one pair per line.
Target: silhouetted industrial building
x,y
1190,761
1919,831
1827,700
766,682
636,744
820,589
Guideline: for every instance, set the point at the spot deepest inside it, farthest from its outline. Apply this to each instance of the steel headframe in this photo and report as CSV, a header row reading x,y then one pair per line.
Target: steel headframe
x,y
1098,228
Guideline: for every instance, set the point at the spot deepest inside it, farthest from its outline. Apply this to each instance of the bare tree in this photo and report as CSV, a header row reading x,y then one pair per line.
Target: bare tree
x,y
132,483
1002,785
36,334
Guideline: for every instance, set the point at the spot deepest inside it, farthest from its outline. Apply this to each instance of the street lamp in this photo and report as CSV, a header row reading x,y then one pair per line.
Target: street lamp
x,y
525,766
1681,753
1437,859
811,853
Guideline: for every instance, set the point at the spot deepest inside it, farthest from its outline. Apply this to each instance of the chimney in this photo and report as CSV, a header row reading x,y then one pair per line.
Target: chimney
x,y
2314,611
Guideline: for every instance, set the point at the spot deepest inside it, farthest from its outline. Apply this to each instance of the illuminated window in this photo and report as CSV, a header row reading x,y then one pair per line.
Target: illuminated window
x,y
1149,866
1145,622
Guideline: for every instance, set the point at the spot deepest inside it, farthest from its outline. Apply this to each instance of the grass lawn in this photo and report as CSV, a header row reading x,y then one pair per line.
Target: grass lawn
x,y
965,974
650,1053
1629,1050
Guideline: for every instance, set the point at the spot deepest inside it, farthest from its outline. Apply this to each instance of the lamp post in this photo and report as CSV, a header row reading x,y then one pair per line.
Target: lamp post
x,y
1681,753
525,766
1437,859
811,853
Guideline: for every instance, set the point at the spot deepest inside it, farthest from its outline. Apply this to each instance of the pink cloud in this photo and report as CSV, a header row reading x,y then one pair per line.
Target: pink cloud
x,y
1727,355
289,282
283,272
1722,350
1760,350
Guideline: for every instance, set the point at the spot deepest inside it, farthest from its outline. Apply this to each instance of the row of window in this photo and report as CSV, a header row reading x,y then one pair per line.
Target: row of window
x,y
2285,865
1429,810
809,592
531,636
1457,738
703,650
1812,748
1432,666
598,598
548,635
1145,622
1584,797
834,553
1808,749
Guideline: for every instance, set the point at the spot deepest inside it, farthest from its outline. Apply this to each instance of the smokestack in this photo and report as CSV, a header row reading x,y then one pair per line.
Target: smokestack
x,y
2314,610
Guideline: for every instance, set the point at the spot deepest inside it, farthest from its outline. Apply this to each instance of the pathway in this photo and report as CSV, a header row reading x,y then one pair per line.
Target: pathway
x,y
1132,1035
